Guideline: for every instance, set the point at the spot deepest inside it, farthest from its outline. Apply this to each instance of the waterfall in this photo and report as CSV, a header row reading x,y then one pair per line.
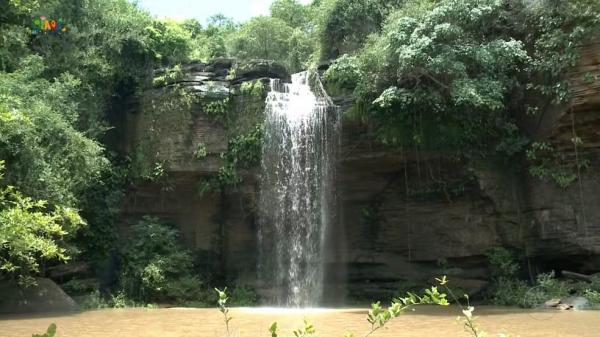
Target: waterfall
x,y
297,197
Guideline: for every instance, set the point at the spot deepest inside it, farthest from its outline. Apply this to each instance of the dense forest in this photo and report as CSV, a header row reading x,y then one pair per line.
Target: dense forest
x,y
452,76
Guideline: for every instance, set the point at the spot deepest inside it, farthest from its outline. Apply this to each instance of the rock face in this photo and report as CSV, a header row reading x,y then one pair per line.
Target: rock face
x,y
45,297
405,216
219,227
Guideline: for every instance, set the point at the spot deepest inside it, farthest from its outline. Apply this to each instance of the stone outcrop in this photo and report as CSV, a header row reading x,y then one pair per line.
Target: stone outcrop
x,y
46,296
405,217
219,227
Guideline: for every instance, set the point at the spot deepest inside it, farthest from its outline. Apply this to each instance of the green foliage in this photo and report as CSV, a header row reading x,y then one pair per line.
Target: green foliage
x,y
378,317
47,157
243,296
57,94
50,332
212,41
344,72
273,329
13,45
271,38
101,206
169,76
546,163
437,81
345,24
94,300
222,306
156,267
106,49
253,89
293,13
200,152
452,75
32,232
507,289
169,41
502,262
243,151
217,109
307,330
591,291
262,37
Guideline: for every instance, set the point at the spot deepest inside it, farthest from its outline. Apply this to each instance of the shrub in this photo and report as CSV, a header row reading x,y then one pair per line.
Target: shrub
x,y
32,232
243,296
156,267
50,332
502,262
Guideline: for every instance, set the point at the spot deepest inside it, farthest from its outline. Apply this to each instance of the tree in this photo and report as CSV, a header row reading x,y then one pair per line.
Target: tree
x,y
212,41
453,75
31,232
262,37
291,12
343,25
47,158
169,41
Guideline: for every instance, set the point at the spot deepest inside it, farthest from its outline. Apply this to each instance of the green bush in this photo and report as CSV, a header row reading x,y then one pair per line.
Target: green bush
x,y
50,332
243,296
156,267
507,289
94,300
502,262
591,291
31,232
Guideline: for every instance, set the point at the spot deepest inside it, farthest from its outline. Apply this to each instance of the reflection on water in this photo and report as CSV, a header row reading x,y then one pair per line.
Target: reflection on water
x,y
253,322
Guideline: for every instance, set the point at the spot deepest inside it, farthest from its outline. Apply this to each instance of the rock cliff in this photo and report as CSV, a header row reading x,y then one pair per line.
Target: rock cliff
x,y
405,216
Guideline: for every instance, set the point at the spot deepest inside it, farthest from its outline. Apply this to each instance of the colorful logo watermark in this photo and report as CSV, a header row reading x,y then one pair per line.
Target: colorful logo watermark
x,y
46,26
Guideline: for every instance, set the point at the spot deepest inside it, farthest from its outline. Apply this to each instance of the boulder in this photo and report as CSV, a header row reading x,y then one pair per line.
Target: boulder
x,y
46,296
553,303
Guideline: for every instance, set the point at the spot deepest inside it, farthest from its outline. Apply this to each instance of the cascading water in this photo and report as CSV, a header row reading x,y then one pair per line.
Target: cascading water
x,y
297,196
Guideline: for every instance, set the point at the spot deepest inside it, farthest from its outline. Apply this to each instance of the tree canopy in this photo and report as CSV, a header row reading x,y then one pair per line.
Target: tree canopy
x,y
443,75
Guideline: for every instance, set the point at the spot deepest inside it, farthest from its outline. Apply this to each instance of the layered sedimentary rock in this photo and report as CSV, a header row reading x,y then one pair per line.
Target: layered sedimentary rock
x,y
405,217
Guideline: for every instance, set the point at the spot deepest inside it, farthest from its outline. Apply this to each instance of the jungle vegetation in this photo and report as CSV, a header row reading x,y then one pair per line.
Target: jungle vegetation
x,y
444,75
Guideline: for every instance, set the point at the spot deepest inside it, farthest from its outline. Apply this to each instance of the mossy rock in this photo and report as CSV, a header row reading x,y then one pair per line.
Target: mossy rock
x,y
255,69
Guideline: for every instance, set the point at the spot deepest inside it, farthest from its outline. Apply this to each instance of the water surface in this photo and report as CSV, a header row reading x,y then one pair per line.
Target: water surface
x,y
253,322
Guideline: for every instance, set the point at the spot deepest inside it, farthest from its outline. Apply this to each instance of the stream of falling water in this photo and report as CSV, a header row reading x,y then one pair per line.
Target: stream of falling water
x,y
300,147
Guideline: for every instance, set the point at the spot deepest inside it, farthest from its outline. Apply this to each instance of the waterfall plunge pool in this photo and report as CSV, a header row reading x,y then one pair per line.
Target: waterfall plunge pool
x,y
426,321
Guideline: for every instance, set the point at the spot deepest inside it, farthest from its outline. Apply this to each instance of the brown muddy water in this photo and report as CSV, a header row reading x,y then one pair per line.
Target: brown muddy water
x,y
254,322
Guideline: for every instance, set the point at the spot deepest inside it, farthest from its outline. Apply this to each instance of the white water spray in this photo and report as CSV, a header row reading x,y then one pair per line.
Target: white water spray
x,y
302,137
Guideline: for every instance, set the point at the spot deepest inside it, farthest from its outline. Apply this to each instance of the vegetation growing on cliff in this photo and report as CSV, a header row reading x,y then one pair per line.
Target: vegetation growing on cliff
x,y
455,75
451,75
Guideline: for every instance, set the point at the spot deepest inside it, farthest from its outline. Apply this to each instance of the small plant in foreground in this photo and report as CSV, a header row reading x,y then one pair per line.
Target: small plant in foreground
x,y
222,305
273,329
50,332
307,330
378,316
467,318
